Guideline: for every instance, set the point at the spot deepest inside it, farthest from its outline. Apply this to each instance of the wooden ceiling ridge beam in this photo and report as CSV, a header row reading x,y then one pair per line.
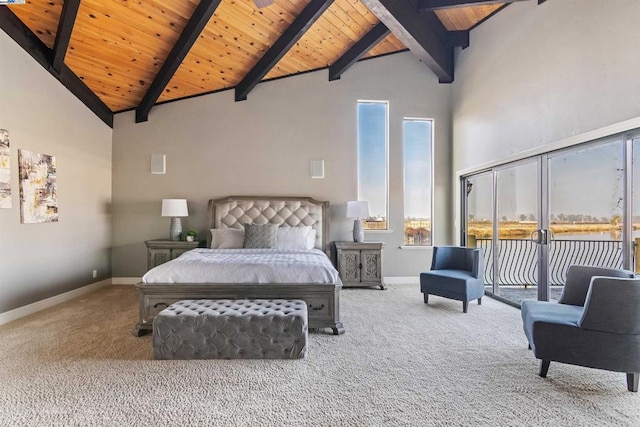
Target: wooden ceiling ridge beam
x,y
26,39
423,33
63,35
358,50
198,21
289,37
432,5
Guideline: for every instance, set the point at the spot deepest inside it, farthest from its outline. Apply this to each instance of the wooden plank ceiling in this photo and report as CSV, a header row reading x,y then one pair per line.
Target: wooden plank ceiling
x,y
117,47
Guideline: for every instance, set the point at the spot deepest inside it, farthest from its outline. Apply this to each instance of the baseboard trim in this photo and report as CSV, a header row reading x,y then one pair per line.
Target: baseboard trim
x,y
400,280
125,280
20,312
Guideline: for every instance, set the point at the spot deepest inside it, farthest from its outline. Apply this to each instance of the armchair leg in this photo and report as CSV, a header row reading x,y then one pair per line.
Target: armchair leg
x,y
632,381
479,301
464,306
544,368
426,298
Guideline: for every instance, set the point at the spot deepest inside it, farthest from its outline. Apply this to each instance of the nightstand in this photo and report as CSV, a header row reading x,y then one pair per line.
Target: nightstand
x,y
360,263
160,251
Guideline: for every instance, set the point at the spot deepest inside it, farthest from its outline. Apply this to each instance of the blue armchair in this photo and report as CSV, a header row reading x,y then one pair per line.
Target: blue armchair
x,y
456,273
596,323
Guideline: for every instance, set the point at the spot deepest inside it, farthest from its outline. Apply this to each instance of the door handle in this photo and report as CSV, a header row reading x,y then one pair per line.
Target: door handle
x,y
540,237
535,239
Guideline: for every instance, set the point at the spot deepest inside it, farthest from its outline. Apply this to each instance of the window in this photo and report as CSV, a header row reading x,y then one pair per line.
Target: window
x,y
373,140
417,141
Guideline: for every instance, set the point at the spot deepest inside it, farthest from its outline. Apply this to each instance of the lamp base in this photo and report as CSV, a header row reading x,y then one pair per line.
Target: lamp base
x,y
175,230
358,232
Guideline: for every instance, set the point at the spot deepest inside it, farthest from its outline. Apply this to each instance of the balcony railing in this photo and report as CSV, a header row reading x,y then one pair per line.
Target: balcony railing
x,y
518,259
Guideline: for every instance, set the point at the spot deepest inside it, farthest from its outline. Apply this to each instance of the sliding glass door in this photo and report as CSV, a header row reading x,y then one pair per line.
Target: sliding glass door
x,y
478,197
517,216
586,209
571,206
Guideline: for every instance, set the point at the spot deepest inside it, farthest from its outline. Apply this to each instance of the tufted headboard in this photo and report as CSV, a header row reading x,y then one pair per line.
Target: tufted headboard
x,y
235,211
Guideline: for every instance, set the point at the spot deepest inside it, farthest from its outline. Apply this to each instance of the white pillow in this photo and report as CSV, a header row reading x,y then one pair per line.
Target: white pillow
x,y
311,239
227,238
296,238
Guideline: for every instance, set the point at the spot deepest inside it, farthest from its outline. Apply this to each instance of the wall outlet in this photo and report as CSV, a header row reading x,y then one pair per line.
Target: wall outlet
x,y
95,273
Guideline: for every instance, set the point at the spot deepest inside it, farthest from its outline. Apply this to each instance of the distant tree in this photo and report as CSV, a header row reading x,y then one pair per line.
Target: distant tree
x,y
423,236
522,217
616,220
553,217
532,217
562,217
504,217
471,217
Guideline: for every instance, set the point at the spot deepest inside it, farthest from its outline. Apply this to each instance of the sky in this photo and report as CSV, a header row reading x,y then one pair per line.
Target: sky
x,y
417,168
372,161
586,181
372,153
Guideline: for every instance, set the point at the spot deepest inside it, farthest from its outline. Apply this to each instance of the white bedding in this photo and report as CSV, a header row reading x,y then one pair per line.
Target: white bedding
x,y
245,266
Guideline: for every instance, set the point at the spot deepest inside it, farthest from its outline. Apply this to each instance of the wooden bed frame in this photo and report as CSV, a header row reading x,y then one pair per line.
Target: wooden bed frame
x,y
323,300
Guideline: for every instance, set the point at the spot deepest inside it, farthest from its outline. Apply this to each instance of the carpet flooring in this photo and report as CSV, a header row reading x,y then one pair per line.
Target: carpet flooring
x,y
400,363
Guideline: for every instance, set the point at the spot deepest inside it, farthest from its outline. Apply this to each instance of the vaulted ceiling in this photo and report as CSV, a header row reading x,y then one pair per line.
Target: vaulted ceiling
x,y
120,55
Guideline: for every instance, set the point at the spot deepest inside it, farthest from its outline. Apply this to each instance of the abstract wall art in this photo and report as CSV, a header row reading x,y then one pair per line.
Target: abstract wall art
x,y
38,192
5,170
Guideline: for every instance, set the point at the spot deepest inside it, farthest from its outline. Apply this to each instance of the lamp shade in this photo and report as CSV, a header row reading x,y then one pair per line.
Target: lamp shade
x,y
357,209
174,207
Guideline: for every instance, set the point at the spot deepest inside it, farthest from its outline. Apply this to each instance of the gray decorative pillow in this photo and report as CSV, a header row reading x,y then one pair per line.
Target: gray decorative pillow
x,y
260,235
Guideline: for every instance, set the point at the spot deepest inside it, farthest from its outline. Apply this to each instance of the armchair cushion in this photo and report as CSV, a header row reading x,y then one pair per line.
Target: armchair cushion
x,y
542,311
442,279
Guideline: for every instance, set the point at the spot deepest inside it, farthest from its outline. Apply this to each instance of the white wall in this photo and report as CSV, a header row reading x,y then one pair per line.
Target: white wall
x,y
537,74
216,147
38,261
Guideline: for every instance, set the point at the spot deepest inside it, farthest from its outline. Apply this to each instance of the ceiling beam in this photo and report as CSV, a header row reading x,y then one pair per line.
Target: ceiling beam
x,y
189,35
431,5
422,33
22,35
63,35
291,35
358,50
459,38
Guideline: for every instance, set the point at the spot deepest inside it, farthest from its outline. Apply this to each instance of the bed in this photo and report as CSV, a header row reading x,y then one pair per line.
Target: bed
x,y
230,214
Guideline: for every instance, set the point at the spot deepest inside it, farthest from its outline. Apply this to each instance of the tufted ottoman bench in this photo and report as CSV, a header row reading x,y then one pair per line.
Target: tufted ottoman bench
x,y
231,329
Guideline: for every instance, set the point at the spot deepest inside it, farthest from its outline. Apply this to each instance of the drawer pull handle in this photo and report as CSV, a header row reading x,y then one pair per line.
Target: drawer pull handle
x,y
316,308
156,305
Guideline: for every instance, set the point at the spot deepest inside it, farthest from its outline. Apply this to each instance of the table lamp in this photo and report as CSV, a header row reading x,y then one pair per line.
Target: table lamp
x,y
358,209
175,208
